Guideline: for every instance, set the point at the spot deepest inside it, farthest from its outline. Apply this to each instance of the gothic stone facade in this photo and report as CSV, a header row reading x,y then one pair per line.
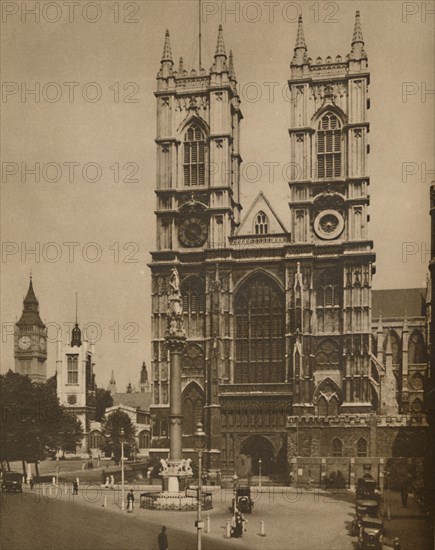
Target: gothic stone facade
x,y
279,361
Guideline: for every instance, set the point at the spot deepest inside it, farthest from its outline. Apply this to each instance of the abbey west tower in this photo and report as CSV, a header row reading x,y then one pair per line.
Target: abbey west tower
x,y
330,289
197,189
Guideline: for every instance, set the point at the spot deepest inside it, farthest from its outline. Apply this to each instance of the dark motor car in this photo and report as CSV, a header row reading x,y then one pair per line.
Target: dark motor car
x,y
243,501
12,482
371,534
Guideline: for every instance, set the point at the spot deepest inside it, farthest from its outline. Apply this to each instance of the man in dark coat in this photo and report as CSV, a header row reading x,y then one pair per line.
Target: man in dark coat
x,y
162,539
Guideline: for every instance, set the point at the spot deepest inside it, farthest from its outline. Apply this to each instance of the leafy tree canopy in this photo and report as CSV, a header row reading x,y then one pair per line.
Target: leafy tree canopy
x,y
32,422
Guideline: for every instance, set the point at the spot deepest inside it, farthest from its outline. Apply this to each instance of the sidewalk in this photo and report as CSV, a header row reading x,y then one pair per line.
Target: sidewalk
x,y
292,519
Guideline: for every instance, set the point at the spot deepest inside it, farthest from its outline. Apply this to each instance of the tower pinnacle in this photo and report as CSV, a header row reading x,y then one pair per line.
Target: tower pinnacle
x,y
231,66
220,46
357,51
167,53
357,32
300,55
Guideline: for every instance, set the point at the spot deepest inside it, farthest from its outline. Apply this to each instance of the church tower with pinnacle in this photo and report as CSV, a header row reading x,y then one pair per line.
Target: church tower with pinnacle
x,y
197,212
30,345
330,285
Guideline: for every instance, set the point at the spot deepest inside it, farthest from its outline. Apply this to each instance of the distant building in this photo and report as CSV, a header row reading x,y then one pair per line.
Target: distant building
x,y
76,381
30,344
137,405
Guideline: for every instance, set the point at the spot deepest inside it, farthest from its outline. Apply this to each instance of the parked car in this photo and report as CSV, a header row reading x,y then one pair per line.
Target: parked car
x,y
371,534
368,508
366,489
12,482
243,501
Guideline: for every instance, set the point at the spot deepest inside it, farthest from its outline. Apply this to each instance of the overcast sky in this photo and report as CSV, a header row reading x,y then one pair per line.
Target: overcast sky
x,y
119,128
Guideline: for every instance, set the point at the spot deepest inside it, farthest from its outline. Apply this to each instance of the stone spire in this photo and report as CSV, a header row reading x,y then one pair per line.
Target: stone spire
x,y
300,55
220,46
167,53
357,32
220,56
180,66
30,315
166,63
112,384
357,51
231,67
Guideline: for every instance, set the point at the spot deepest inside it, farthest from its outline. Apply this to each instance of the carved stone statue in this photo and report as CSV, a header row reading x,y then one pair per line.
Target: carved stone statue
x,y
174,282
164,465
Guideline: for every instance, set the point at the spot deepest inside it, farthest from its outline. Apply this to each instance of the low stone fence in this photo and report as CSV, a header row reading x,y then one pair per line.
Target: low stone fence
x,y
176,502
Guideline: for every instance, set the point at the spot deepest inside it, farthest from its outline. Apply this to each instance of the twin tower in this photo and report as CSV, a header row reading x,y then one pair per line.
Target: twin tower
x,y
277,313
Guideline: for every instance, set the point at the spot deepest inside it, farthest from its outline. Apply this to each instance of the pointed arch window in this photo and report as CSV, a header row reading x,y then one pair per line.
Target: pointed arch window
x,y
261,224
417,348
329,146
193,293
259,317
192,406
194,157
361,447
73,369
337,447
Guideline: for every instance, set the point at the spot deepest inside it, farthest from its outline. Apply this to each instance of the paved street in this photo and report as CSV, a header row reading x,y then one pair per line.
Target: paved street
x,y
293,521
27,525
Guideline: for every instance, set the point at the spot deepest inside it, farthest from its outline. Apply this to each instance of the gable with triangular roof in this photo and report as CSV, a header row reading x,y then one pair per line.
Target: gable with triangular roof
x,y
261,219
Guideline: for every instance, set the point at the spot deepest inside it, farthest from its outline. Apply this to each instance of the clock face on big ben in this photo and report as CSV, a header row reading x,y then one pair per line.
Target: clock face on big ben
x,y
192,232
24,342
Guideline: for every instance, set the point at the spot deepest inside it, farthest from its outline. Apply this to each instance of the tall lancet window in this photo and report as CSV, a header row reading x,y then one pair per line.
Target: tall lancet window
x,y
73,369
261,225
194,157
329,147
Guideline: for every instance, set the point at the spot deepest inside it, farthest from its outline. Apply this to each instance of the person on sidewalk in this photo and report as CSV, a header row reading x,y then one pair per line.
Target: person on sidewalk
x,y
75,487
130,501
162,539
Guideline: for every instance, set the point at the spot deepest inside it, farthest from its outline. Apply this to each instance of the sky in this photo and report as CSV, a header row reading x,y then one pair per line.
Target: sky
x,y
89,129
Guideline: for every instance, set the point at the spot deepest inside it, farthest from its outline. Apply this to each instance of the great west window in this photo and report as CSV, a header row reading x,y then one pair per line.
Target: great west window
x,y
259,314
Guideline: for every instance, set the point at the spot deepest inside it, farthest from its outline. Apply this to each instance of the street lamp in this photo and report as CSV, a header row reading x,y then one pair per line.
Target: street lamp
x,y
199,444
235,478
259,471
121,438
57,469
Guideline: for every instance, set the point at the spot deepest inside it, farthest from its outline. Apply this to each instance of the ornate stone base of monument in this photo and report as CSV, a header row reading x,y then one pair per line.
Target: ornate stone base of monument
x,y
176,474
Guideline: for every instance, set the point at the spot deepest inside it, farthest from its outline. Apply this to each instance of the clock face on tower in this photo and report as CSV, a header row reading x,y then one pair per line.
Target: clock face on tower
x,y
329,224
192,232
24,342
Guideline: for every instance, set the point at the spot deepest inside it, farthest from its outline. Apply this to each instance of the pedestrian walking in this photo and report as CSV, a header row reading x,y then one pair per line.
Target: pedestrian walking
x,y
75,487
396,544
162,539
130,501
32,482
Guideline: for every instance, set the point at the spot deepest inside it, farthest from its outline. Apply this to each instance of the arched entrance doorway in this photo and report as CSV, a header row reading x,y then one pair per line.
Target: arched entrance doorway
x,y
259,448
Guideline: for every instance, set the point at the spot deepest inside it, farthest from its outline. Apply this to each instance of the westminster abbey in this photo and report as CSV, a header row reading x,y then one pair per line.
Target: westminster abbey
x,y
291,358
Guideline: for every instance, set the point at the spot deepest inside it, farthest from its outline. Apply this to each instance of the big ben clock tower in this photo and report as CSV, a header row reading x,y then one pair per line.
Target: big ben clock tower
x,y
30,349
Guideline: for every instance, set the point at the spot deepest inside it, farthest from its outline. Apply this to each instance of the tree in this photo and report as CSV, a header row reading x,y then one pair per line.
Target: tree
x,y
32,421
112,433
104,400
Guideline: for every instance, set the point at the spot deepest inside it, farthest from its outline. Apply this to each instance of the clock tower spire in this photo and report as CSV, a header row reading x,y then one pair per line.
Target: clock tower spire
x,y
30,349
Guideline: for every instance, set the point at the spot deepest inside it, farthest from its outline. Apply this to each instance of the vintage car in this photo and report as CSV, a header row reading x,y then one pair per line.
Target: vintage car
x,y
368,508
371,534
243,501
366,489
12,482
